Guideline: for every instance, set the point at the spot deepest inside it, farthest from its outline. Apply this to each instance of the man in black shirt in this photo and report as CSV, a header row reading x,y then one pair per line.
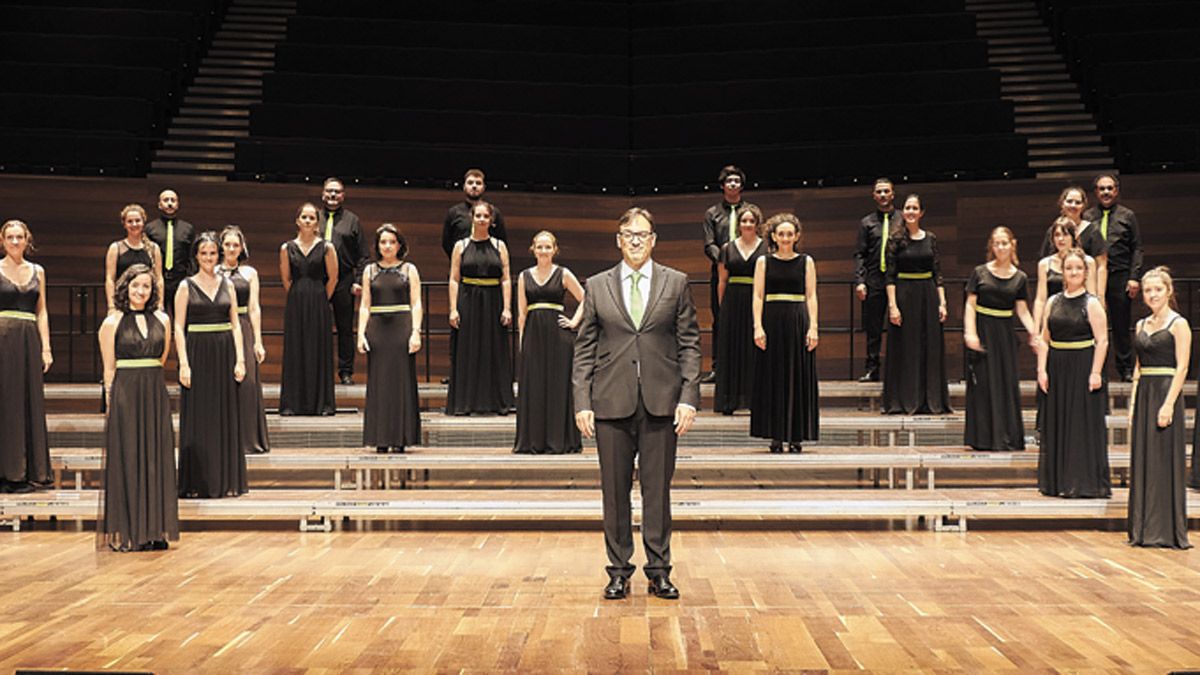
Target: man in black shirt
x,y
177,257
458,218
1118,226
720,228
870,268
340,227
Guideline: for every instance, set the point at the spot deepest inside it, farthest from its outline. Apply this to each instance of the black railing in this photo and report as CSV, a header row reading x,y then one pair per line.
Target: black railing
x,y
85,306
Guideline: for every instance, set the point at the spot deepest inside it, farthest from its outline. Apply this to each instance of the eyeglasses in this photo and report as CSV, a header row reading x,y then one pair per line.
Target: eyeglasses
x,y
627,235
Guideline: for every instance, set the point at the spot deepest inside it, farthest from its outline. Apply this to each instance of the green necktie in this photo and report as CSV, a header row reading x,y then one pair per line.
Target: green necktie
x,y
170,243
329,227
883,244
635,299
733,223
1104,225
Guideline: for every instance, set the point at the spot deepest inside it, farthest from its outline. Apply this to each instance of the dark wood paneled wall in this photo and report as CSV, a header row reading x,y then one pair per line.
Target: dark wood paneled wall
x,y
74,219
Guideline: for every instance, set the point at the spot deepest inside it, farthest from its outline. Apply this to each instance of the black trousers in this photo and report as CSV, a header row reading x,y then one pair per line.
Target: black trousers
x,y
617,443
715,304
874,313
1120,305
343,318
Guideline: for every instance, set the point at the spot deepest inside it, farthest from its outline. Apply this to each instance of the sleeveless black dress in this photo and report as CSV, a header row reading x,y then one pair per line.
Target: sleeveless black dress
x,y
915,372
128,256
211,461
392,417
993,381
252,420
480,370
307,378
139,502
735,334
784,404
24,448
1157,494
545,402
1073,459
1054,286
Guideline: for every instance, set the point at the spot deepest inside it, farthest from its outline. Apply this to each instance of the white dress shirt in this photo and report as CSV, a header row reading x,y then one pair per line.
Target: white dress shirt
x,y
643,285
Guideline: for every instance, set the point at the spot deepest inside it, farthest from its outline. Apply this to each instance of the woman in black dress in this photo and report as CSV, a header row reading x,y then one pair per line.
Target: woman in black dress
x,y
1157,495
480,295
208,343
915,373
996,291
308,267
252,422
1071,203
784,406
735,292
545,405
1049,272
140,506
389,333
1073,460
24,357
135,248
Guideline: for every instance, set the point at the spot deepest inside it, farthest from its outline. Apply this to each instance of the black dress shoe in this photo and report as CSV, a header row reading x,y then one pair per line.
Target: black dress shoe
x,y
710,376
617,588
776,447
382,450
794,447
870,376
347,378
399,449
661,587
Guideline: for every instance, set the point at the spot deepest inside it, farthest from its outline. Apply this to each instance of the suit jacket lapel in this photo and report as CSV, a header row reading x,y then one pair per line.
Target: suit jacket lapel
x,y
657,282
618,295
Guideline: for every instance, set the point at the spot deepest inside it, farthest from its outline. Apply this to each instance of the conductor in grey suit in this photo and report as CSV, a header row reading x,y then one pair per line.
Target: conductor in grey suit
x,y
636,380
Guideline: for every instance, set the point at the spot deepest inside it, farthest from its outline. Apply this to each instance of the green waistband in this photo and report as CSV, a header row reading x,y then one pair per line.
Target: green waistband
x,y
1075,344
914,275
478,281
390,309
1157,370
243,310
209,327
988,311
544,305
786,297
139,363
741,280
18,314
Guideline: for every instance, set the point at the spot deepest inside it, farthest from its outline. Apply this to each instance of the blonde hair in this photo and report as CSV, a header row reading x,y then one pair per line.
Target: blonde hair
x,y
544,233
1062,197
1163,273
133,208
1002,229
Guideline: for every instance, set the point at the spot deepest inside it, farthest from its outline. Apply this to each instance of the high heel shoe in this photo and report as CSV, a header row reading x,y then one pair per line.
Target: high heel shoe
x,y
776,447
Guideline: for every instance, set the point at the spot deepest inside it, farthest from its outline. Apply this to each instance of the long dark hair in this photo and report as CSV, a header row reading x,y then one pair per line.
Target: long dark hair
x,y
121,293
898,238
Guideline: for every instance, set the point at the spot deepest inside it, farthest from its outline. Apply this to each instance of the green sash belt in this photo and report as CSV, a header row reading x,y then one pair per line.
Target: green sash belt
x,y
209,327
785,297
544,305
17,314
390,309
1077,344
139,363
477,281
741,280
988,311
914,275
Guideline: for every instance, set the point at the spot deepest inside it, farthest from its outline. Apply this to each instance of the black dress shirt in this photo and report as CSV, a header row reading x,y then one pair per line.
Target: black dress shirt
x,y
1124,239
353,251
183,235
458,225
716,228
869,247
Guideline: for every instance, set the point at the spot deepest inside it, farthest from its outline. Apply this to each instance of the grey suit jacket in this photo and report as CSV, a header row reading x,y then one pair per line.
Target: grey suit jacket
x,y
613,359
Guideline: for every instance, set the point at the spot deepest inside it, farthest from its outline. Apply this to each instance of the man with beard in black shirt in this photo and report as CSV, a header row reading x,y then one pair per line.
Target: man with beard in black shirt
x,y
1118,226
340,227
457,224
870,267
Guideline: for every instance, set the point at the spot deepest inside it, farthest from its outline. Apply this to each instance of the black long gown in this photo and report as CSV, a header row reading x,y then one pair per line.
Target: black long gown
x,y
993,381
211,461
1073,459
481,370
392,417
1054,286
252,421
140,503
784,404
306,386
24,448
915,372
545,405
1157,495
735,341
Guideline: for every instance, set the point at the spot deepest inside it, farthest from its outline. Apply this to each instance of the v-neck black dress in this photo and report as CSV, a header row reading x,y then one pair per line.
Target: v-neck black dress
x,y
24,448
307,377
735,335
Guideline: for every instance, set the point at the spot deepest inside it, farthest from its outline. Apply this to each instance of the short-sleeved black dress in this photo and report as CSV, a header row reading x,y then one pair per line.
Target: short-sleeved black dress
x,y
993,381
545,402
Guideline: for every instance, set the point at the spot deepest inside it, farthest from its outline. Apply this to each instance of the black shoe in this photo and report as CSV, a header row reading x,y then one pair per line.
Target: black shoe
x,y
617,588
661,587
445,380
160,545
707,377
398,449
382,450
19,487
347,378
870,376
794,447
776,447
1126,377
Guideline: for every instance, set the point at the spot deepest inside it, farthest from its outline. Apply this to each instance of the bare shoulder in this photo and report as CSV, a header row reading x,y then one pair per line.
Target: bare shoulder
x,y
110,322
163,318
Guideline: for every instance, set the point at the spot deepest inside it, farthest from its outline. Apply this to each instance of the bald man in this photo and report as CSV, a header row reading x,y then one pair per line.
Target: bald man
x,y
177,257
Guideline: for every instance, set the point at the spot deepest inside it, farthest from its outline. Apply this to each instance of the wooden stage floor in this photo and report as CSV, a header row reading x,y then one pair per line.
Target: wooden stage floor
x,y
387,598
